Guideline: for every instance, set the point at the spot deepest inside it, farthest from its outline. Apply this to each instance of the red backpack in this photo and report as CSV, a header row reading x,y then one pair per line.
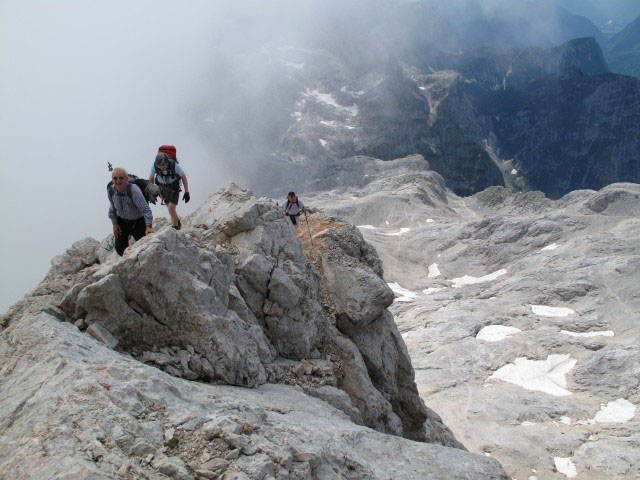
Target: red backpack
x,y
170,151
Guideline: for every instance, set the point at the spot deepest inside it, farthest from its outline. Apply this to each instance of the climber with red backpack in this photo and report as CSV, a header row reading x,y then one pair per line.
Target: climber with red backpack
x,y
168,175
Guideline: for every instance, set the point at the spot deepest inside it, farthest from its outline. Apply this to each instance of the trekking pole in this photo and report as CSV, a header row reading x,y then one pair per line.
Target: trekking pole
x,y
308,227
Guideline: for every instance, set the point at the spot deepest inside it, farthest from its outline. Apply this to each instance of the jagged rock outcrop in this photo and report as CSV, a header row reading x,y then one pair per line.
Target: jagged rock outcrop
x,y
229,300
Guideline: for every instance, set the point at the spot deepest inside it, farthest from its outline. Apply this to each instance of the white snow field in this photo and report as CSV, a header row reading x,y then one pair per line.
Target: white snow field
x,y
496,333
402,294
469,280
565,466
542,375
605,333
434,271
430,290
546,311
618,411
328,99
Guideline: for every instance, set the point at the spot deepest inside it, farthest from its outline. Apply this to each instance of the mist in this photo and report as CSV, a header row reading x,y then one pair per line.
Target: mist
x,y
86,83
83,84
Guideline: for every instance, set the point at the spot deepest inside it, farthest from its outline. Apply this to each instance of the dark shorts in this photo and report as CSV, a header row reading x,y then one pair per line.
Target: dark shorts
x,y
170,193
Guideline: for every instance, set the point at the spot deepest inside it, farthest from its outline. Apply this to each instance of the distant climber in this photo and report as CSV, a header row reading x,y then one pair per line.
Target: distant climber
x,y
293,207
168,175
129,211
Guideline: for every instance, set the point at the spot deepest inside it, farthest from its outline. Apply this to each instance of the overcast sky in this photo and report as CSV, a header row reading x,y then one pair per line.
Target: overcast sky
x,y
83,83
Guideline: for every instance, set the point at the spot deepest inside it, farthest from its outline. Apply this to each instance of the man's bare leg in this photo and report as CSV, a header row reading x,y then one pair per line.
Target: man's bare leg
x,y
172,211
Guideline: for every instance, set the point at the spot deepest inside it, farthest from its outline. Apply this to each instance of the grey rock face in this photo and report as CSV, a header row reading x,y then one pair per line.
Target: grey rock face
x,y
80,255
132,420
231,299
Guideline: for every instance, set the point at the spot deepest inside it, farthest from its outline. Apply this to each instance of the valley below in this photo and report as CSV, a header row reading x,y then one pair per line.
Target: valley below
x,y
520,314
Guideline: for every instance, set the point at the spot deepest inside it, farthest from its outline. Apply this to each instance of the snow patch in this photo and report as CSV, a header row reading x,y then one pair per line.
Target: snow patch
x,y
553,246
297,115
605,333
565,420
496,333
430,220
565,466
542,375
328,123
402,294
469,280
359,93
527,424
367,227
618,411
551,311
323,142
430,290
514,172
434,271
328,99
395,234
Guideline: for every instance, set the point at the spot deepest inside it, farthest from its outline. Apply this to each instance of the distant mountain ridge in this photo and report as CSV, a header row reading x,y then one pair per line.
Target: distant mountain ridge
x,y
507,24
623,50
377,84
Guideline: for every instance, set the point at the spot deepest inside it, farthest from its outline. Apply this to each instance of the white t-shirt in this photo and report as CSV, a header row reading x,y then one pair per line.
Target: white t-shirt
x,y
292,208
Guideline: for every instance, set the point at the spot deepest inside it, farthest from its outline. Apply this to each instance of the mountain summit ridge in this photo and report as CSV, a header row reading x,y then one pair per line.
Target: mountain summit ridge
x,y
231,300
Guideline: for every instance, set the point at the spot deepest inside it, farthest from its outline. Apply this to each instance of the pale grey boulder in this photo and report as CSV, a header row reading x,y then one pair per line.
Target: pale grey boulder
x,y
621,367
354,277
80,255
165,293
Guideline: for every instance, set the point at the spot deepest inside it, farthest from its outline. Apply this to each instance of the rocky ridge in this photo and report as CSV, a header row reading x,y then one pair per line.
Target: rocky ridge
x,y
137,367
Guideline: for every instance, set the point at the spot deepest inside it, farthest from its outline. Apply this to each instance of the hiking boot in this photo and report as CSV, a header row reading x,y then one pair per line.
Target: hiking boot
x,y
178,226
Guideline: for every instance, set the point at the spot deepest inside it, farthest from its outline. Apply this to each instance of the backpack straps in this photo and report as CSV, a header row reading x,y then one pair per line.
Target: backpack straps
x,y
171,171
111,192
288,204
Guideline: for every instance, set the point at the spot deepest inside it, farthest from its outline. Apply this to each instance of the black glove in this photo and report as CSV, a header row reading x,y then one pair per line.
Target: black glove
x,y
186,197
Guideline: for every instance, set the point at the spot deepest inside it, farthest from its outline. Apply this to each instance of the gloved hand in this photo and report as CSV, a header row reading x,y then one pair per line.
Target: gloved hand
x,y
186,197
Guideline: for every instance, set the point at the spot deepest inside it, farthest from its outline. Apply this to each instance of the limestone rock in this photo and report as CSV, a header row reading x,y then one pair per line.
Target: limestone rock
x,y
58,373
80,255
232,297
